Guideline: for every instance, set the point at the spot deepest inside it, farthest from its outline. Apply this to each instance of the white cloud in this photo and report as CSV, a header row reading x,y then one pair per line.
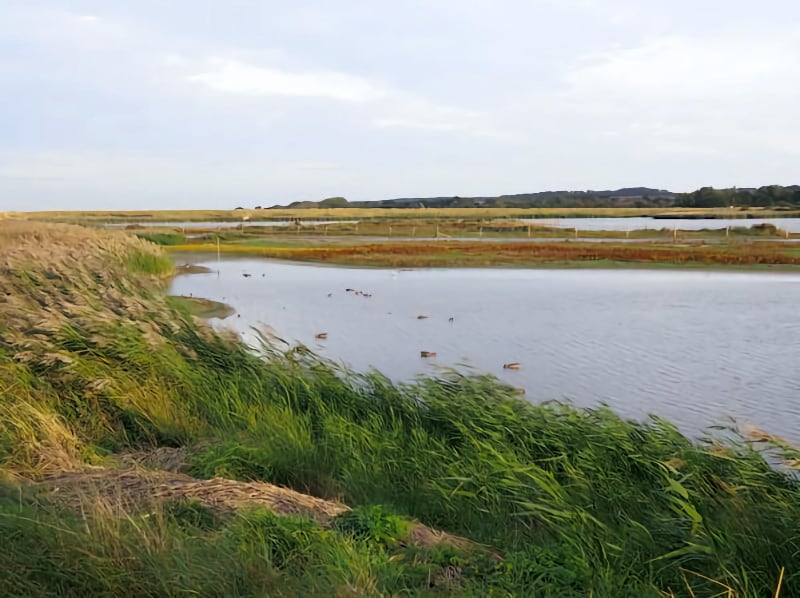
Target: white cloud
x,y
424,124
407,112
694,96
386,108
682,68
413,112
233,77
450,96
173,59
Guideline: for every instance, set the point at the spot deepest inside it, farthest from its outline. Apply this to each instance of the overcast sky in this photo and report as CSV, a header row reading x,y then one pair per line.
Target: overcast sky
x,y
218,103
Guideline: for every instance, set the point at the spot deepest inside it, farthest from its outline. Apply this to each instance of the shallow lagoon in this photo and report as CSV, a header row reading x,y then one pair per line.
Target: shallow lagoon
x,y
693,347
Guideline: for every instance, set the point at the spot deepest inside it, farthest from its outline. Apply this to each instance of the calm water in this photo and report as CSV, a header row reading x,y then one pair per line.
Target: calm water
x,y
638,223
693,347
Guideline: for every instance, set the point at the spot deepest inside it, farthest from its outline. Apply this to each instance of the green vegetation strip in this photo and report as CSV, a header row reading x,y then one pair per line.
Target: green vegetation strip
x,y
445,253
96,364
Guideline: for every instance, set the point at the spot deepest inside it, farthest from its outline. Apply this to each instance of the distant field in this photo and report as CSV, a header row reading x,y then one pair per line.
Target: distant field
x,y
381,213
422,228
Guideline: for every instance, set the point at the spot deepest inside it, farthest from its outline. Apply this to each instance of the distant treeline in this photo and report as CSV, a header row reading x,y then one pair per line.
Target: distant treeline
x,y
771,195
631,197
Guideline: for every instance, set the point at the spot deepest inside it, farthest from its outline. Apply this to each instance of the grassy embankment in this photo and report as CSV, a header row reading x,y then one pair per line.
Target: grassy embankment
x,y
106,390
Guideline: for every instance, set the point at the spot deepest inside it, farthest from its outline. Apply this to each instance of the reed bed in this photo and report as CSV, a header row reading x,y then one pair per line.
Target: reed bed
x,y
96,366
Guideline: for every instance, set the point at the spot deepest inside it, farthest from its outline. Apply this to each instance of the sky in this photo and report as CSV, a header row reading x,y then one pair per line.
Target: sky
x,y
106,104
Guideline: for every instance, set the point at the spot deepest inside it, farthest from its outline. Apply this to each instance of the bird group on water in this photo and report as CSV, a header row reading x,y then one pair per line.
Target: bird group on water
x,y
513,365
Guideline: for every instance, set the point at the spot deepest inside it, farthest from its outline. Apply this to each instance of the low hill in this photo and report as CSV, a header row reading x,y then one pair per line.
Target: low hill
x,y
629,197
632,197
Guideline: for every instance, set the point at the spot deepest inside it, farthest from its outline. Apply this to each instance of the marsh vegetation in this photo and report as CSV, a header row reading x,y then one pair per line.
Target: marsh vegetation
x,y
99,370
450,253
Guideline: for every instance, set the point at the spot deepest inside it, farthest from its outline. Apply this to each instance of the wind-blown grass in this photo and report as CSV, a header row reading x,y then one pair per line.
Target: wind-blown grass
x,y
183,549
95,362
163,238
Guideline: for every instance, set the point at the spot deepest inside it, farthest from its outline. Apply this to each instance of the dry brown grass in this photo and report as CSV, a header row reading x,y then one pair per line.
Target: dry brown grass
x,y
57,281
54,277
134,489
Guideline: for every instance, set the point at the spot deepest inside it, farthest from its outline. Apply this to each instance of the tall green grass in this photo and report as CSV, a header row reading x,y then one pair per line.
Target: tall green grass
x,y
94,362
164,238
182,549
619,504
141,262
